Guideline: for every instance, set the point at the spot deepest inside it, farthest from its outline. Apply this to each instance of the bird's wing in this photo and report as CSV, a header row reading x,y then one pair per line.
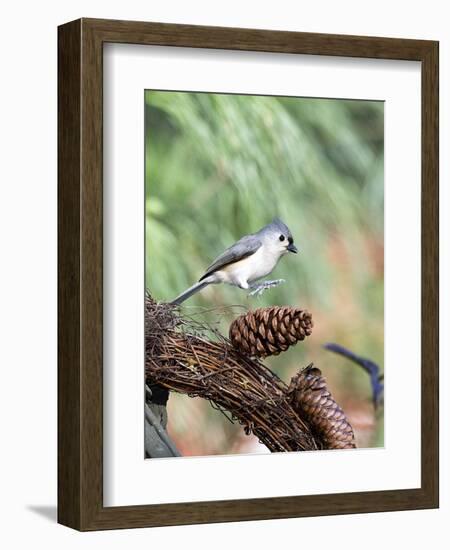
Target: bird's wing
x,y
243,248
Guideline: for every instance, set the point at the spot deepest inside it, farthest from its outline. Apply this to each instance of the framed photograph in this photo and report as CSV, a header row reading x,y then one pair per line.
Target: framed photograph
x,y
248,274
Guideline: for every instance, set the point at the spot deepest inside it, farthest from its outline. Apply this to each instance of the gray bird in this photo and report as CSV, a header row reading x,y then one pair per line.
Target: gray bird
x,y
249,259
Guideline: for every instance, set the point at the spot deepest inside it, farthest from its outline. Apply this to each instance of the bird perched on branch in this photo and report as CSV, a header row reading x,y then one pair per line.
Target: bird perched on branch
x,y
249,259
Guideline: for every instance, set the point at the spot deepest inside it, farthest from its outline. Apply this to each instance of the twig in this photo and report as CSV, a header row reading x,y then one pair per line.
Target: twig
x,y
369,366
153,421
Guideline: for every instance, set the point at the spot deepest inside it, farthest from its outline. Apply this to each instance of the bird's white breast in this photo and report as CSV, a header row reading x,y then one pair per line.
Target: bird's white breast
x,y
258,265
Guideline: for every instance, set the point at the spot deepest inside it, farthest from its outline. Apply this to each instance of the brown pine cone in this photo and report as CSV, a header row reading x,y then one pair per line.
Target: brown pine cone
x,y
315,404
270,330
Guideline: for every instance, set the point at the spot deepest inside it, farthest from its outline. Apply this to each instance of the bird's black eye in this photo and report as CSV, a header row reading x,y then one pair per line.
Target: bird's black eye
x,y
282,237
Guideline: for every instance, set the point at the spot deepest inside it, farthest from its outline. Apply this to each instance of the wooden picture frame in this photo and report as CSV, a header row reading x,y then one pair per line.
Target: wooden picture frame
x,y
80,271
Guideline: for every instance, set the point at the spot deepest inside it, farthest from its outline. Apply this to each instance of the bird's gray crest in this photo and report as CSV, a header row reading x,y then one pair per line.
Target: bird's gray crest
x,y
277,225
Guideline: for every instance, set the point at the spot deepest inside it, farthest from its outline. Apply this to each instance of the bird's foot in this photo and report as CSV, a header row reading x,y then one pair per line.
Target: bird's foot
x,y
258,289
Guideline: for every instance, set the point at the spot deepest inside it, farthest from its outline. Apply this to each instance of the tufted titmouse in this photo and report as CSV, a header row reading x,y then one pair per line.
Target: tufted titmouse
x,y
249,259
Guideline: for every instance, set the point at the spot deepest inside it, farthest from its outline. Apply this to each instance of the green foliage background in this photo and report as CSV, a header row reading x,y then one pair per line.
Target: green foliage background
x,y
220,166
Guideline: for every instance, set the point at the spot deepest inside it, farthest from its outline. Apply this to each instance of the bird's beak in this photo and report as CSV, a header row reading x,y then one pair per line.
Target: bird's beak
x,y
292,248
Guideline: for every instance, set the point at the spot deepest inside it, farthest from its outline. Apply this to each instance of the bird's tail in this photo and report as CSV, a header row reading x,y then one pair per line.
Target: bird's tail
x,y
189,292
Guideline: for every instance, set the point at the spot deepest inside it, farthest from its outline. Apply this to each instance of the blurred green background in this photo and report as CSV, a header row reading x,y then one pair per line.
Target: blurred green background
x,y
220,166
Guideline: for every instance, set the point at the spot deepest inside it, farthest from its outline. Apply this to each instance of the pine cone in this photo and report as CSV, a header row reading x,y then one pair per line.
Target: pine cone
x,y
315,404
270,330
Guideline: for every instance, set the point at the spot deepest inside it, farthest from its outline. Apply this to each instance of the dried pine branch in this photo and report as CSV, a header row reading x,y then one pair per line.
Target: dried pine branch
x,y
181,356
